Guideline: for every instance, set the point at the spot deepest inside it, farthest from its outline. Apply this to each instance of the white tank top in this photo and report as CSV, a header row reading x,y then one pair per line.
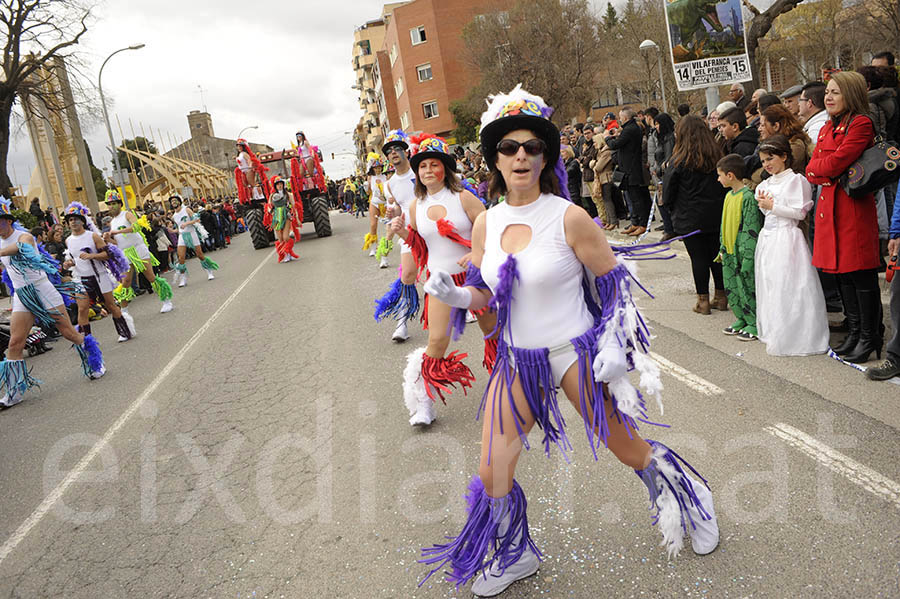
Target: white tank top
x,y
80,243
305,151
19,280
377,192
403,190
548,307
181,216
126,240
443,253
243,160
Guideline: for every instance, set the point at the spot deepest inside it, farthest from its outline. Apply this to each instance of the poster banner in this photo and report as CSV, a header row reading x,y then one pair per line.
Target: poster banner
x,y
708,43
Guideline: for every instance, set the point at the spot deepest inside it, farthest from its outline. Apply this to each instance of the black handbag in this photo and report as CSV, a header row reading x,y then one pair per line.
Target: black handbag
x,y
878,167
619,177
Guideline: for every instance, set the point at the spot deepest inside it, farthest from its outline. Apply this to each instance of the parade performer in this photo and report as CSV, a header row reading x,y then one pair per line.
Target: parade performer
x,y
568,320
35,299
305,153
439,235
127,232
284,220
249,174
188,228
95,263
402,300
375,183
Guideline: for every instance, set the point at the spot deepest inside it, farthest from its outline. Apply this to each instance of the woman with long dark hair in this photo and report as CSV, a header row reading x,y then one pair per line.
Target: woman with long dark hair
x,y
540,261
778,120
694,198
846,238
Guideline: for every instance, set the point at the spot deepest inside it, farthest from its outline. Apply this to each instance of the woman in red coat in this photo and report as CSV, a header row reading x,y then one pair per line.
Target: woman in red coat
x,y
846,239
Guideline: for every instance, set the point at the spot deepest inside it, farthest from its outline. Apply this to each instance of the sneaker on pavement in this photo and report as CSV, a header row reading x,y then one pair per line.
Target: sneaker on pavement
x,y
492,582
166,307
121,338
884,371
209,275
746,336
470,318
424,416
98,373
383,263
372,253
182,280
401,333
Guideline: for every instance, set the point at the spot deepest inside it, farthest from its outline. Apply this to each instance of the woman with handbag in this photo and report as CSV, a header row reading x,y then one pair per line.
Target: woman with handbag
x,y
846,238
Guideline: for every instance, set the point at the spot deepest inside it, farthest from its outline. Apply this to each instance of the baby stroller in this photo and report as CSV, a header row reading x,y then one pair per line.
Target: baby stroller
x,y
35,343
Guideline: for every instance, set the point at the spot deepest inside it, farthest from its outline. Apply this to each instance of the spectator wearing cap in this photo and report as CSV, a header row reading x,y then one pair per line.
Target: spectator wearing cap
x,y
736,94
812,109
791,99
609,121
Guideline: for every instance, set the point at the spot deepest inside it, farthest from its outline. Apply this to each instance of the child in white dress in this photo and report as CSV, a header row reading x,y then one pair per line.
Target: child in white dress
x,y
790,307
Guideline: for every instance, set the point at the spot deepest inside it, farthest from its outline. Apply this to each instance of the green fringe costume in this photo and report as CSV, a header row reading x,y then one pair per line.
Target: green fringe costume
x,y
738,261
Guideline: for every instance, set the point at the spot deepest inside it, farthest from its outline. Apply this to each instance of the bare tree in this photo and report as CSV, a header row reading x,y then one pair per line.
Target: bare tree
x,y
760,25
884,18
37,33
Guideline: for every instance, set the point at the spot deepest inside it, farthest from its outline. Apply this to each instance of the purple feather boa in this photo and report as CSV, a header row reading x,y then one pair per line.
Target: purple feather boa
x,y
117,263
502,299
467,552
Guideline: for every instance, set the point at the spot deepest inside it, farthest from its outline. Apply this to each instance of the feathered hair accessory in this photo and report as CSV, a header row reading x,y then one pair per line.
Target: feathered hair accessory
x,y
6,207
79,209
518,102
373,159
431,146
397,137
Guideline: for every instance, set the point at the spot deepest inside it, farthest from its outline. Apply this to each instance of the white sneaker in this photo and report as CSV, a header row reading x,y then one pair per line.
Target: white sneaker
x,y
372,253
182,279
98,373
166,307
209,275
8,401
424,415
705,537
121,338
470,318
383,263
491,583
401,334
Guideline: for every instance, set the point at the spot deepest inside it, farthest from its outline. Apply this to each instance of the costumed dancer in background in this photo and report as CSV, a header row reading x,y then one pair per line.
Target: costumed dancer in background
x,y
35,299
377,204
567,319
249,174
127,232
99,266
307,159
188,237
281,213
401,302
439,235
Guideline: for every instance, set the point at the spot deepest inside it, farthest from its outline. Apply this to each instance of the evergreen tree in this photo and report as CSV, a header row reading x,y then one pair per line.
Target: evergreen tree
x,y
610,18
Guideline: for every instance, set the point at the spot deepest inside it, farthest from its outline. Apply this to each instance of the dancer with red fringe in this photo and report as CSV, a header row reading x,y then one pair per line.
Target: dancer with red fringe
x,y
439,236
250,174
280,211
567,319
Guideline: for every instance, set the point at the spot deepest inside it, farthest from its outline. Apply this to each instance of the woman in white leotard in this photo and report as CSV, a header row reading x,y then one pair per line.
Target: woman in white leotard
x,y
188,237
375,182
561,327
439,235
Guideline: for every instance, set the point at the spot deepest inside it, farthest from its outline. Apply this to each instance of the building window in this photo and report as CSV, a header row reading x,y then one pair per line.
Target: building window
x,y
424,72
430,109
366,46
398,87
417,35
404,120
393,54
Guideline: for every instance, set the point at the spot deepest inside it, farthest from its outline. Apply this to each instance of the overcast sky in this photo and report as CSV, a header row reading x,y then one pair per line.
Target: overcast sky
x,y
282,65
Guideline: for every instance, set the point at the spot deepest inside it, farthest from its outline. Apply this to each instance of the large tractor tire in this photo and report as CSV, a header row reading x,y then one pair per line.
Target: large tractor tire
x,y
321,217
258,232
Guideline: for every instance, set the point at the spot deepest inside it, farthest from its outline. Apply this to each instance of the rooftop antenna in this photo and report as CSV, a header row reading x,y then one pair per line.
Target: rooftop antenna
x,y
201,98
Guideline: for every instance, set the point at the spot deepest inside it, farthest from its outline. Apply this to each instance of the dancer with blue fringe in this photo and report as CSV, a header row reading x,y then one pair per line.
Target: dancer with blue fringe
x,y
127,232
93,261
189,229
567,319
35,299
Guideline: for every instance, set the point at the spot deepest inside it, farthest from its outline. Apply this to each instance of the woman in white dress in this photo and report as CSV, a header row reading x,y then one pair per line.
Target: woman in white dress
x,y
790,306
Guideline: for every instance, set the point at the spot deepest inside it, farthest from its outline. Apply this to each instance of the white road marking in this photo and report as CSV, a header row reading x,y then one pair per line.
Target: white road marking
x,y
857,473
47,504
685,376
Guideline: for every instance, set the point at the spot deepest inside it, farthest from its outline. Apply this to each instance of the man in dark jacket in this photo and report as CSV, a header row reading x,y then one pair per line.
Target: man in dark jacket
x,y
739,139
628,145
209,223
588,154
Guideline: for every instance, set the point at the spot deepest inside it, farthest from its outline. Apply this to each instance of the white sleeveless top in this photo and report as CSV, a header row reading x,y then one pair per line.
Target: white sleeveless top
x,y
181,216
19,280
243,160
548,307
126,240
80,243
403,189
443,253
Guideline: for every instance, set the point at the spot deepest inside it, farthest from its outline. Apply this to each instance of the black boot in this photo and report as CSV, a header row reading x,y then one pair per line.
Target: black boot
x,y
870,339
851,311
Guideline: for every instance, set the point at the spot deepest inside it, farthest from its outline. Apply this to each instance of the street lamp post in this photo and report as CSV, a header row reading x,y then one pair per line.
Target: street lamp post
x,y
245,128
112,144
651,45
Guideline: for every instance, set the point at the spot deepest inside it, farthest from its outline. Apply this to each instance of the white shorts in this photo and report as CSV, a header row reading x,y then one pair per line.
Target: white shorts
x,y
49,296
142,250
561,359
194,238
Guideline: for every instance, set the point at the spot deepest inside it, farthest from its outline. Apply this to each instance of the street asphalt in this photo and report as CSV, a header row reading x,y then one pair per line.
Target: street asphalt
x,y
254,443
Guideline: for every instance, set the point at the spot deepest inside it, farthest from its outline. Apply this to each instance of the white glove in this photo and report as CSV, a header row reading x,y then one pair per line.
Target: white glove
x,y
440,285
610,363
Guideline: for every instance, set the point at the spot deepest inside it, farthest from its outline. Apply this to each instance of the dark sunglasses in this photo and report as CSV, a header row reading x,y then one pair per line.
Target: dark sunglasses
x,y
510,147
